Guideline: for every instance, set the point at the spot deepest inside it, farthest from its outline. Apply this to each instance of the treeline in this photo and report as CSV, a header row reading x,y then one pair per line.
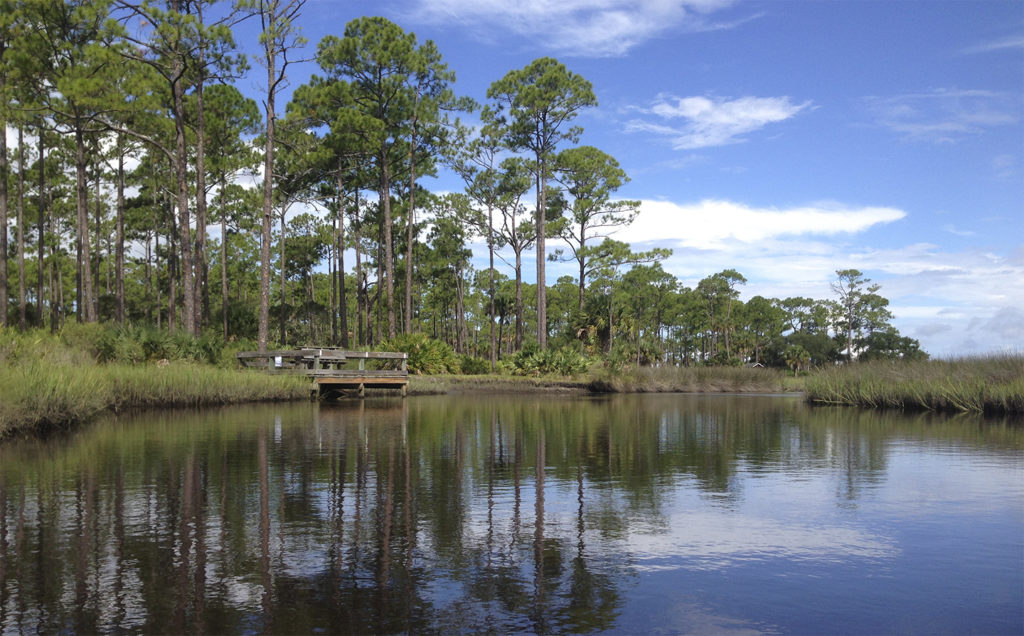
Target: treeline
x,y
124,199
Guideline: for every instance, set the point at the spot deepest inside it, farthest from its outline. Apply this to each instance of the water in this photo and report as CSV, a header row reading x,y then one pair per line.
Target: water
x,y
634,514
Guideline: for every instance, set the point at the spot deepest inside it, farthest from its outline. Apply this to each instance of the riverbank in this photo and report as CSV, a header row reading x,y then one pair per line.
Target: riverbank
x,y
991,385
632,380
55,382
37,398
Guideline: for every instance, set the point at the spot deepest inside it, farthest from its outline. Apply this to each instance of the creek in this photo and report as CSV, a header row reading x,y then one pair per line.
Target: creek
x,y
735,514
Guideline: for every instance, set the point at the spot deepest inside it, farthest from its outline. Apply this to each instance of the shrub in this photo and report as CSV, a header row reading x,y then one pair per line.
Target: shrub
x,y
89,337
567,360
426,356
470,365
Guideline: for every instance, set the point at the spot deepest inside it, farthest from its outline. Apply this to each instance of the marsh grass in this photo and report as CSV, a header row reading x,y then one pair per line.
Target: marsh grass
x,y
49,382
669,379
993,385
442,384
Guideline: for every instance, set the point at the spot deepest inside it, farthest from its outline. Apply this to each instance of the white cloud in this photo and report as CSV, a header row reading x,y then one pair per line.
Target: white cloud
x,y
955,302
944,115
718,225
1010,42
709,122
597,28
935,293
955,231
1004,166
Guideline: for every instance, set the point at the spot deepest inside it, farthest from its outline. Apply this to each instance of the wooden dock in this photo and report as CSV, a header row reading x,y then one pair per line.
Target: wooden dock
x,y
336,372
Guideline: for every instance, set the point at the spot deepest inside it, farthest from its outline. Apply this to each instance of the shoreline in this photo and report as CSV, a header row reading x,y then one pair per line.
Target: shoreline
x,y
37,399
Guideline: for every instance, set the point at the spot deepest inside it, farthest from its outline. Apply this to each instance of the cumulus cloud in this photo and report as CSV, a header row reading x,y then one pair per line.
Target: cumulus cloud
x,y
596,28
943,115
706,122
954,302
711,224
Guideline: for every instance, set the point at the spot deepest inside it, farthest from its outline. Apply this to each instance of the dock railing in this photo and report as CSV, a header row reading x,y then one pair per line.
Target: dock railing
x,y
333,369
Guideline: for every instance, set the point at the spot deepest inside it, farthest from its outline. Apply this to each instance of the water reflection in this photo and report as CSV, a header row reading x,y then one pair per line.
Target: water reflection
x,y
440,514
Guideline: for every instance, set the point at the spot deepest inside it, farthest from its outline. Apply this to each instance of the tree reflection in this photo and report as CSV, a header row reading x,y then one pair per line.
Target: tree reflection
x,y
398,516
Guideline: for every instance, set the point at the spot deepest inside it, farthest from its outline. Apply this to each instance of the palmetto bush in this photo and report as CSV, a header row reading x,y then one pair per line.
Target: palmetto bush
x,y
567,360
426,356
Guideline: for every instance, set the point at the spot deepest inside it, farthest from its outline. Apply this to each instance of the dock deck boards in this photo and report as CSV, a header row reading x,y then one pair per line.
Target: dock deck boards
x,y
326,367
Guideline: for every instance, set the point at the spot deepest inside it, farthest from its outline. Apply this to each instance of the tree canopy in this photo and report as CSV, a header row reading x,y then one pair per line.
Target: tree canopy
x,y
140,167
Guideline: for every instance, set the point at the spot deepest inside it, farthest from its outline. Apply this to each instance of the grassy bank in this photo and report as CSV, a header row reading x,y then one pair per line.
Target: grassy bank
x,y
37,397
53,382
444,384
630,380
984,385
670,379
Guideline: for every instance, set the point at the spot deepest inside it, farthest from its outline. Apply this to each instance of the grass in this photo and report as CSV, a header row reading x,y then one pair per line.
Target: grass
x,y
442,384
49,382
992,385
36,397
688,379
603,380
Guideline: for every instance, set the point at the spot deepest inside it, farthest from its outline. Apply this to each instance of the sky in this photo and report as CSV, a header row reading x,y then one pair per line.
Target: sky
x,y
784,139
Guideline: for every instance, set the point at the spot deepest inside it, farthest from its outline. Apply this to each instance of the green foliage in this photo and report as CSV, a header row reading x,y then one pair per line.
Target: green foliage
x,y
890,345
425,354
132,345
567,361
470,365
89,337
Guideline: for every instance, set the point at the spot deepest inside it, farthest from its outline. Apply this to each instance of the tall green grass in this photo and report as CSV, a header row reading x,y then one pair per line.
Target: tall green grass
x,y
993,384
666,379
49,382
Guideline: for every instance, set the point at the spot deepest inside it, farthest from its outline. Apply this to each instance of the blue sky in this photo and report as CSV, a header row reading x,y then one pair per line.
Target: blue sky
x,y
785,139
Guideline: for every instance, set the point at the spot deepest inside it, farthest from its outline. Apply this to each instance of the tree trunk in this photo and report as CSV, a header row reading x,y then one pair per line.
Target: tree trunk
x,y
41,245
342,298
268,192
309,309
410,226
519,300
542,295
224,254
380,277
188,286
3,211
460,312
202,305
98,212
332,269
53,297
21,229
361,325
57,321
611,316
172,273
85,307
283,287
583,272
490,284
119,253
389,266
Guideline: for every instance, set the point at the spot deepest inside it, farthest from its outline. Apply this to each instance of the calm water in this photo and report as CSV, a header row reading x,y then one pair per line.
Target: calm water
x,y
636,514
